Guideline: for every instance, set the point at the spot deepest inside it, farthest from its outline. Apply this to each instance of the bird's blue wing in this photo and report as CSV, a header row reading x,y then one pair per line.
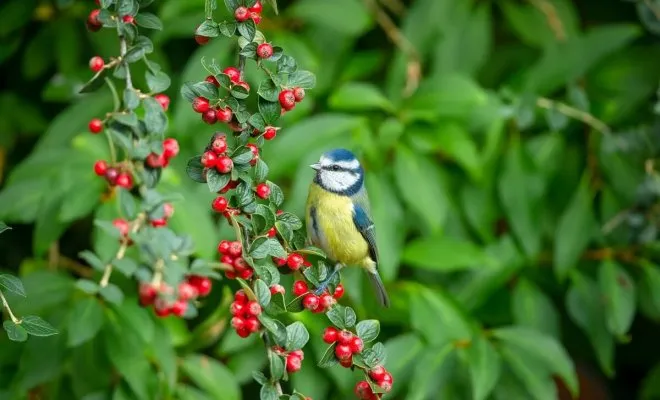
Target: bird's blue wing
x,y
365,226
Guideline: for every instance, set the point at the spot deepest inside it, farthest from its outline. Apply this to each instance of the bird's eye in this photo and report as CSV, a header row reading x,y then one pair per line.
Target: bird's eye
x,y
334,167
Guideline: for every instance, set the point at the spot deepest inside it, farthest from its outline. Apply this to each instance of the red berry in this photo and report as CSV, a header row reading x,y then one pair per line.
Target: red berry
x,y
179,308
254,149
277,288
243,332
252,324
111,175
339,292
240,264
223,246
347,363
236,308
213,80
327,301
209,159
280,262
163,100
125,181
235,249
377,373
298,353
100,167
95,125
386,382
330,335
272,232
168,210
356,344
224,114
237,323
233,73
247,273
293,363
298,94
270,133
363,390
265,50
219,144
311,301
157,223
256,8
319,309
153,160
343,352
344,337
202,40
227,259
224,165
128,19
170,148
263,191
147,294
256,17
201,283
240,297
295,261
253,308
279,212
93,23
200,105
241,14
210,117
300,288
287,99
96,64
187,291
244,85
162,312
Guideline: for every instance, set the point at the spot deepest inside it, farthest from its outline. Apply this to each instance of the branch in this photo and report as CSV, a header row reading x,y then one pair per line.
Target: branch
x,y
574,113
122,54
414,66
550,13
6,305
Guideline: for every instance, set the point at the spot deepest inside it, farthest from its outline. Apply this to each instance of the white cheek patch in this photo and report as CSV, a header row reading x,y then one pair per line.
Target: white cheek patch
x,y
350,164
338,181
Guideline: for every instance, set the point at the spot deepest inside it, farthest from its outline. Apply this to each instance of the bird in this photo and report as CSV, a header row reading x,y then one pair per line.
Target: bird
x,y
338,217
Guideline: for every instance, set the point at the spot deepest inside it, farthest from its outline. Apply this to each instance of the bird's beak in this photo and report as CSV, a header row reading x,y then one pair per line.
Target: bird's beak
x,y
316,166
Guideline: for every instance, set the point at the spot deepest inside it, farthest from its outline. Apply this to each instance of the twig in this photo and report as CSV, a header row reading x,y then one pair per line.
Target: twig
x,y
122,54
158,274
105,279
6,305
574,113
414,66
395,6
74,266
53,255
550,13
615,221
241,66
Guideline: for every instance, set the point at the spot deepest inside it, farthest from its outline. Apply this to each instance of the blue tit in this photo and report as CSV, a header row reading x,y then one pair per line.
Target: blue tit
x,y
338,217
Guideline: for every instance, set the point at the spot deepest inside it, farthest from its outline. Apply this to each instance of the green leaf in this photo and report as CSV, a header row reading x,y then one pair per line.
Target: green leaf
x,y
649,290
12,284
485,367
268,391
532,308
427,371
531,373
328,359
359,96
442,253
216,181
368,330
232,5
36,326
92,259
286,64
349,317
250,50
429,308
275,327
618,290
455,143
126,118
3,227
208,28
263,292
87,286
297,336
240,93
195,169
574,230
247,29
544,348
428,200
85,321
95,83
266,215
519,203
127,204
154,117
15,332
212,377
303,79
148,21
227,28
131,99
337,316
268,90
269,110
112,293
158,81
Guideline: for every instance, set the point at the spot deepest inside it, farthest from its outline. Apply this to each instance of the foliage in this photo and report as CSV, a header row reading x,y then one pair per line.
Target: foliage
x,y
510,155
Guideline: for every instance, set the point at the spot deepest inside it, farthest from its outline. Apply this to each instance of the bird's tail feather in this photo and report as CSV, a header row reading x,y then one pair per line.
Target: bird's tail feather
x,y
379,288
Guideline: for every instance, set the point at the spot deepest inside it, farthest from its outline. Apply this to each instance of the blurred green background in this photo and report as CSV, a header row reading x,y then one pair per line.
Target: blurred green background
x,y
495,204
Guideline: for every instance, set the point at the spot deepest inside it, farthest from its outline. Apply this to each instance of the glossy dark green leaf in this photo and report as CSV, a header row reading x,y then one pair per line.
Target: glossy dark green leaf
x,y
212,376
328,359
227,28
154,118
269,110
368,330
262,291
337,316
297,336
216,180
485,367
618,290
12,284
148,21
286,64
303,79
112,293
85,321
247,29
15,332
92,259
532,308
208,28
36,326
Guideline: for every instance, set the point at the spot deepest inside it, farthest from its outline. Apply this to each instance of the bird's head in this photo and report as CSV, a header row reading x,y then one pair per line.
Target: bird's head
x,y
338,171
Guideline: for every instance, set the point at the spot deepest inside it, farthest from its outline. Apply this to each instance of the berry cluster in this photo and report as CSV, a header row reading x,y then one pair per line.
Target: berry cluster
x,y
293,358
245,313
241,14
314,303
380,377
294,261
231,256
165,302
347,344
289,97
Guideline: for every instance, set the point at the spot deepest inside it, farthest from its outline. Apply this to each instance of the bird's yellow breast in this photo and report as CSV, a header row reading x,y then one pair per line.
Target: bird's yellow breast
x,y
332,228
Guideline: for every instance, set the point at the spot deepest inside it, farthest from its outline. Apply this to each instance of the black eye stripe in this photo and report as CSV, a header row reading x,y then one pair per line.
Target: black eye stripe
x,y
335,168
